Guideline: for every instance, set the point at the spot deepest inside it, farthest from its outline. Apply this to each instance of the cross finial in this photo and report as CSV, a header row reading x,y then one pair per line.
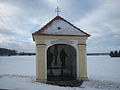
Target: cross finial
x,y
57,10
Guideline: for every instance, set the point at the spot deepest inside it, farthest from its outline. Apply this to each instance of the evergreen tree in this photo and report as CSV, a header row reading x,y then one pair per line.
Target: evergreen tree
x,y
111,53
115,53
119,53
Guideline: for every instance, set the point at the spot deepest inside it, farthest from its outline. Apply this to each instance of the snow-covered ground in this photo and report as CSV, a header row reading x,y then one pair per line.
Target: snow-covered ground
x,y
18,73
18,65
104,68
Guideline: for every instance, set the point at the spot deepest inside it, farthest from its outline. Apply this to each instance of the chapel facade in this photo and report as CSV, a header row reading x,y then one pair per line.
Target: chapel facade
x,y
60,51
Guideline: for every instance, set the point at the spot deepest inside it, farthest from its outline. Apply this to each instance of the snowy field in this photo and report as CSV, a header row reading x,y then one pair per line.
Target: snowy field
x,y
18,73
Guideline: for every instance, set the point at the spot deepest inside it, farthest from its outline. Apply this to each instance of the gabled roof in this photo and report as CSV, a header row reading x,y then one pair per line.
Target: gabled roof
x,y
58,26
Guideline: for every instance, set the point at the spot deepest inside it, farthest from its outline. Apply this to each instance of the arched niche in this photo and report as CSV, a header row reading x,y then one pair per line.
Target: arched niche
x,y
61,62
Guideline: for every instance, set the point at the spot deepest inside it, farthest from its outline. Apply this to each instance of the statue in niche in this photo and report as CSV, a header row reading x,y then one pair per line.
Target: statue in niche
x,y
63,56
50,60
55,53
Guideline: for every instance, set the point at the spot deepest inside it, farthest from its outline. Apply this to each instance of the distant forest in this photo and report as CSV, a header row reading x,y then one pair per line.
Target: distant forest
x,y
4,51
92,54
9,52
115,53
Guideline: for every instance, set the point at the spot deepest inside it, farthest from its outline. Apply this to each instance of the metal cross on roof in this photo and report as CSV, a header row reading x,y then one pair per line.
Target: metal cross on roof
x,y
57,10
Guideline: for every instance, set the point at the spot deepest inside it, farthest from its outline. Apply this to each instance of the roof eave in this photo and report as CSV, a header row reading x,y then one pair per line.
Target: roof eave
x,y
87,35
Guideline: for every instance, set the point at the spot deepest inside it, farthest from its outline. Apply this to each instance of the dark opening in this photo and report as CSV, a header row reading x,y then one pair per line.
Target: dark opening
x,y
59,28
61,63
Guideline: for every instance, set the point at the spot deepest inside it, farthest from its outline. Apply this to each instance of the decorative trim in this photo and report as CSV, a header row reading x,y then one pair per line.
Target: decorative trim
x,y
51,42
40,44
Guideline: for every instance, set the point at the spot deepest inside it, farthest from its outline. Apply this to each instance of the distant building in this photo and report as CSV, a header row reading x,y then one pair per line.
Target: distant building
x,y
60,51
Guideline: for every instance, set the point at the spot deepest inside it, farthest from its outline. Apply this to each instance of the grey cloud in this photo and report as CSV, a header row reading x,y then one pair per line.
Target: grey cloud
x,y
19,45
99,19
103,25
7,32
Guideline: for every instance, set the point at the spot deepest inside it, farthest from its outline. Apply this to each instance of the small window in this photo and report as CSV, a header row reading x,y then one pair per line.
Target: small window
x,y
59,28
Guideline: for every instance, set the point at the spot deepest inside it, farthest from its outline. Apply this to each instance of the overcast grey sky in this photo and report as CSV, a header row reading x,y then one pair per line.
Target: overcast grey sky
x,y
20,18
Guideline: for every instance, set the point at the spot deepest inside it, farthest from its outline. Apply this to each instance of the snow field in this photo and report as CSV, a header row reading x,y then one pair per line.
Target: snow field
x,y
18,73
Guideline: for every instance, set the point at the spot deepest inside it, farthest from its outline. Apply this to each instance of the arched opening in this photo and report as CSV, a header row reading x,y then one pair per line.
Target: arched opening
x,y
61,63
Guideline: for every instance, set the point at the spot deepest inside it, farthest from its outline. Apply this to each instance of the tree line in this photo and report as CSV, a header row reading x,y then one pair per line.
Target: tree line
x,y
9,52
115,53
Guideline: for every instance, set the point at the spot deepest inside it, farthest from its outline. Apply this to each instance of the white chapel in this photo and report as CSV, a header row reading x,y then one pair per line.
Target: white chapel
x,y
60,51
